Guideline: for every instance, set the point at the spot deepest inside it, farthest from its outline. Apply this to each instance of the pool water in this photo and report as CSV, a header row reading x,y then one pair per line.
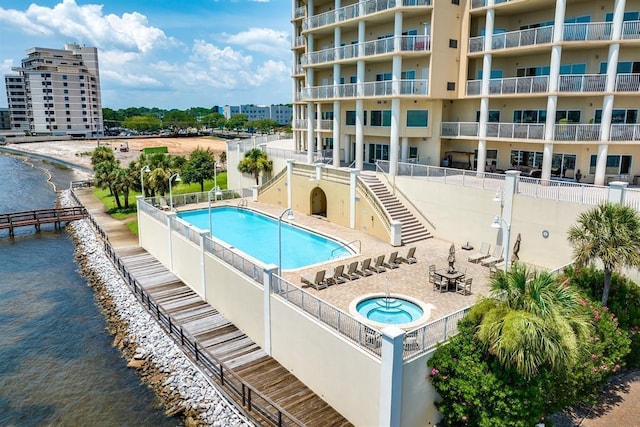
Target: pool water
x,y
389,310
257,235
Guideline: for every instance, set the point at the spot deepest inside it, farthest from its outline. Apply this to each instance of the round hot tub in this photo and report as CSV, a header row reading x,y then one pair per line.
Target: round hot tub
x,y
391,309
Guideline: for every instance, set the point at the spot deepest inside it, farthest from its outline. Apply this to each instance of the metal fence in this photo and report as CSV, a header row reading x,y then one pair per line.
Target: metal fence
x,y
425,338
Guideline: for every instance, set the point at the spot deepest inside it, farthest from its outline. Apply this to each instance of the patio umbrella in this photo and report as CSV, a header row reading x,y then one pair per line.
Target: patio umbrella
x,y
452,258
516,249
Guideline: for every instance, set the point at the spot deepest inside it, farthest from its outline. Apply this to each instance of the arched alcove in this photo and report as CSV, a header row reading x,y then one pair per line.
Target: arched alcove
x,y
318,202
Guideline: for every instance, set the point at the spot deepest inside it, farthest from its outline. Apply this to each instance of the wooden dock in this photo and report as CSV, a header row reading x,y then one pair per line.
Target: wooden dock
x,y
36,218
229,346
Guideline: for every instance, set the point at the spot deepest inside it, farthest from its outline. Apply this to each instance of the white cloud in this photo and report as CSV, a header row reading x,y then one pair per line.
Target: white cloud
x,y
5,67
264,40
129,79
87,24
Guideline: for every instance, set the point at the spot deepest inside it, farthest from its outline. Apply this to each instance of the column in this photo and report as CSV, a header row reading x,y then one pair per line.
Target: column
x,y
319,128
270,280
391,376
337,70
360,79
353,173
484,91
310,133
396,74
552,100
607,102
617,190
337,111
289,186
404,149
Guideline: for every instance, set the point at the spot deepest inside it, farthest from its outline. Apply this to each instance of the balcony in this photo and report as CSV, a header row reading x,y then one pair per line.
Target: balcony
x,y
370,48
299,12
510,85
298,42
357,10
627,83
569,132
582,83
297,70
365,90
494,130
475,4
323,125
631,30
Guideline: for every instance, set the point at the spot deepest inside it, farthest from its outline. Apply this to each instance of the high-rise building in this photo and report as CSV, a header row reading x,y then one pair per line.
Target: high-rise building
x,y
549,87
5,122
280,113
56,92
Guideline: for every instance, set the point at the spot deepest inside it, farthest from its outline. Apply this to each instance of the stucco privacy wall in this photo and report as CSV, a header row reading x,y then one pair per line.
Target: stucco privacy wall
x,y
154,237
418,395
464,214
345,376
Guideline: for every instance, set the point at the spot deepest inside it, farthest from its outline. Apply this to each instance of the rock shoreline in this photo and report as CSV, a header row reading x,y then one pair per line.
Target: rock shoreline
x,y
183,390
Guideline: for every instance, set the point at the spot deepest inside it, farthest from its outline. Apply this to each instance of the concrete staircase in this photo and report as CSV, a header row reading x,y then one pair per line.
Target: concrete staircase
x,y
412,229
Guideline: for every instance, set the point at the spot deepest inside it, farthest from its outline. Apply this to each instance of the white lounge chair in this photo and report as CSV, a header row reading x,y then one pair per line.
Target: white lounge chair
x,y
410,257
335,277
378,266
317,280
494,258
365,268
352,271
392,262
482,254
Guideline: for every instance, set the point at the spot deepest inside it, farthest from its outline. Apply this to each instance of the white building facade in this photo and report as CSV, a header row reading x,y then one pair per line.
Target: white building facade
x,y
56,92
549,87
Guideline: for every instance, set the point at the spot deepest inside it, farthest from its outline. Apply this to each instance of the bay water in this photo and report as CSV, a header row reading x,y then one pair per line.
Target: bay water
x,y
57,362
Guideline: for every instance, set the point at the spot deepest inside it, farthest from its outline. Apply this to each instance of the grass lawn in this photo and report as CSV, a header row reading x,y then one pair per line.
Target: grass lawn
x,y
181,188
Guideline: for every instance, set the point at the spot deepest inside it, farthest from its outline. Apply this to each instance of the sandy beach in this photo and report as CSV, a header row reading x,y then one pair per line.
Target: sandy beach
x,y
78,152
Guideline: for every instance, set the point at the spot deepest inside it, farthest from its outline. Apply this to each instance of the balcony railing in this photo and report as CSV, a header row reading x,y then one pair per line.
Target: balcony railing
x,y
562,132
482,3
628,83
510,85
370,48
299,12
494,130
357,10
299,41
367,89
302,124
512,39
582,83
297,70
631,30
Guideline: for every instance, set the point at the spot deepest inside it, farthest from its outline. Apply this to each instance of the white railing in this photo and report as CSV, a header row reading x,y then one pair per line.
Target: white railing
x,y
494,130
299,12
370,48
576,132
368,89
631,30
513,39
341,322
453,129
326,124
624,132
298,41
357,10
510,85
297,70
425,338
628,83
587,31
584,194
582,83
482,3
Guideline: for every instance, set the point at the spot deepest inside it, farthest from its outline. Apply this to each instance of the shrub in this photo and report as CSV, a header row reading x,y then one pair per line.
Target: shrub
x,y
624,303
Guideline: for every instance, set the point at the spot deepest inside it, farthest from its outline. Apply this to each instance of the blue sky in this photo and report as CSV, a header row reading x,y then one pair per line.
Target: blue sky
x,y
162,53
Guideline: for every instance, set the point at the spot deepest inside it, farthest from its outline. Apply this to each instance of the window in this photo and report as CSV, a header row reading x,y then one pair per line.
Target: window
x,y
413,152
350,118
494,116
64,77
383,77
66,91
417,118
491,158
381,118
353,79
624,67
408,75
378,152
328,143
526,158
533,71
560,163
628,16
529,116
618,116
616,164
572,116
573,69
453,43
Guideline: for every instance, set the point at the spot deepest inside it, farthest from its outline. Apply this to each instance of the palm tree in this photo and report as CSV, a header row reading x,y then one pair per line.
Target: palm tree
x,y
531,321
255,161
609,233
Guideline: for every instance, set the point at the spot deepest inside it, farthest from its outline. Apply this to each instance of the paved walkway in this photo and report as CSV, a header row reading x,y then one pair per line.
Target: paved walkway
x,y
619,405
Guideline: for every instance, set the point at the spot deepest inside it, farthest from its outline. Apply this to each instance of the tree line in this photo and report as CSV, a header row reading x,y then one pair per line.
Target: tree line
x,y
143,119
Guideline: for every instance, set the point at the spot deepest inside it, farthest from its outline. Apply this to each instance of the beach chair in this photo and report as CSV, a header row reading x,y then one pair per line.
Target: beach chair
x,y
365,268
482,254
378,266
432,273
410,257
335,277
392,262
494,258
352,271
315,280
440,283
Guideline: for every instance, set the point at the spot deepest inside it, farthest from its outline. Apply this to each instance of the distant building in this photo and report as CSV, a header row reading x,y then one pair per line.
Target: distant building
x,y
5,123
56,92
282,114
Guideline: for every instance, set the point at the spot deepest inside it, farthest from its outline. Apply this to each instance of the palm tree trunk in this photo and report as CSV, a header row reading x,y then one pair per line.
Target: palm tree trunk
x,y
607,285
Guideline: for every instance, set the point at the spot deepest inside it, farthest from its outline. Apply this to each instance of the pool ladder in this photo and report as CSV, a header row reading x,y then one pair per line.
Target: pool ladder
x,y
347,246
242,203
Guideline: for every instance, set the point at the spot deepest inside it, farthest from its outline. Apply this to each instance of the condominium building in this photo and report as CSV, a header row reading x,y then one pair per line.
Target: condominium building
x,y
56,92
5,122
278,112
549,87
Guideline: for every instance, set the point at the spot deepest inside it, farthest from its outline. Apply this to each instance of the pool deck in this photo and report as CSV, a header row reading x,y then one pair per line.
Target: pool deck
x,y
409,279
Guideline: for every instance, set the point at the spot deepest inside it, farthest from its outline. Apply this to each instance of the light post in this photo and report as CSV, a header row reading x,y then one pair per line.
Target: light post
x,y
497,223
144,169
177,178
215,179
290,217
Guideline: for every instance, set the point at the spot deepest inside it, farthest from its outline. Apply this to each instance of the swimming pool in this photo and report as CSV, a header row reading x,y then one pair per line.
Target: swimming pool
x,y
257,235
